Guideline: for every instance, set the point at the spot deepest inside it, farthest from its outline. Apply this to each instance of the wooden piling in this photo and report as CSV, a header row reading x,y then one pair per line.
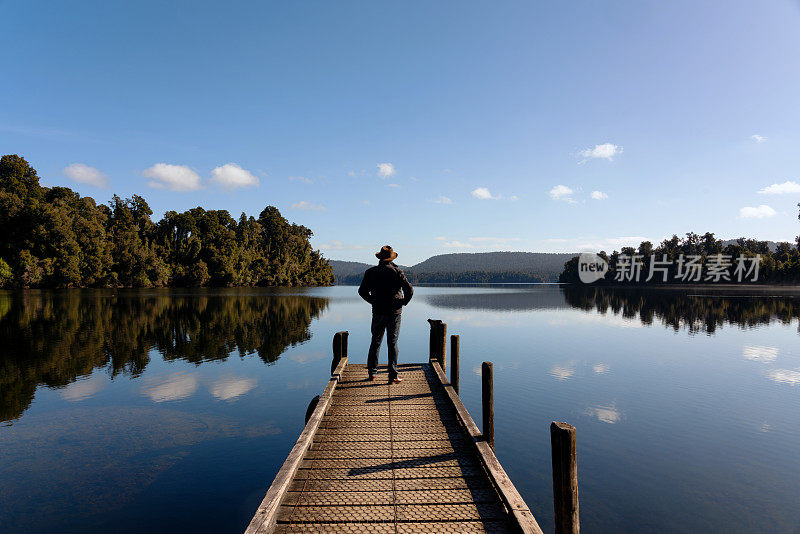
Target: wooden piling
x,y
339,348
487,379
565,478
345,337
438,342
432,346
442,345
454,357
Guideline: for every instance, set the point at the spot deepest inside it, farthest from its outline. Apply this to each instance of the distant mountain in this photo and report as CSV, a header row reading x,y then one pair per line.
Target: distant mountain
x,y
483,267
350,272
344,269
493,262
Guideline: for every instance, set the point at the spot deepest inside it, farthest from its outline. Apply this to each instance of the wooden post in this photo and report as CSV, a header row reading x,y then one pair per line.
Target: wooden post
x,y
345,335
565,478
441,343
487,378
454,355
337,350
433,348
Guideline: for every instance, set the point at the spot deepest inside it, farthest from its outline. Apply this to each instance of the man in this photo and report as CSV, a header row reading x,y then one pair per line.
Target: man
x,y
386,288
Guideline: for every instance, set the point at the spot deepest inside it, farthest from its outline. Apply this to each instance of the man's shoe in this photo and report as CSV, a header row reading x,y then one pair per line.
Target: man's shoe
x,y
370,378
395,380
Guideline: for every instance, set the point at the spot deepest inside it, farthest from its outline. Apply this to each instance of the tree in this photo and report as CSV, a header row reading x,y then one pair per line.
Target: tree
x,y
51,237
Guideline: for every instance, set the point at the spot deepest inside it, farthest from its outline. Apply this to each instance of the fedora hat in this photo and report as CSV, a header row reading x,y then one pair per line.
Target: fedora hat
x,y
386,253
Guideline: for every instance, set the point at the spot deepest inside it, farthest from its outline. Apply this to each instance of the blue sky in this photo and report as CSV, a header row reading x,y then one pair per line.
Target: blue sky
x,y
431,126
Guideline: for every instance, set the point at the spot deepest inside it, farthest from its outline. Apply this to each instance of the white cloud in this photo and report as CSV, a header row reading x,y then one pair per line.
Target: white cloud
x,y
392,185
599,195
758,138
604,151
339,245
786,188
513,198
483,193
173,177
232,176
308,206
759,353
301,179
457,244
413,179
351,173
80,172
333,245
228,388
562,192
443,200
366,202
761,212
478,242
493,239
385,170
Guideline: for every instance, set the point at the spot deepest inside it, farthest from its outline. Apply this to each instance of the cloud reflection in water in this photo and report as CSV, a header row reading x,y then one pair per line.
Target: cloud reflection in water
x,y
605,413
230,387
785,376
82,389
171,387
563,372
760,353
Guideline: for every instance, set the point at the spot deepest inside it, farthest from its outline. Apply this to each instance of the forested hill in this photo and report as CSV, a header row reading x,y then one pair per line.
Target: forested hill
x,y
343,269
483,267
53,237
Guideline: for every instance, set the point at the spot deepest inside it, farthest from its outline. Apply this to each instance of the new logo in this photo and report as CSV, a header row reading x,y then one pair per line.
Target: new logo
x,y
591,267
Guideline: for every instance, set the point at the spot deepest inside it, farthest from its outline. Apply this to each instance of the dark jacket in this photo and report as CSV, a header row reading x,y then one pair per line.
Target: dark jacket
x,y
386,288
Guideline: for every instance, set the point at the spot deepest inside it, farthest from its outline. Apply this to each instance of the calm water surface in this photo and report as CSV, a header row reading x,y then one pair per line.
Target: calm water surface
x,y
161,410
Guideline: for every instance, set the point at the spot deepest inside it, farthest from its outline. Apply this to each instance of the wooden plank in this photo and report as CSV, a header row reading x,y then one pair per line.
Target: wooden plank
x,y
265,517
508,493
378,461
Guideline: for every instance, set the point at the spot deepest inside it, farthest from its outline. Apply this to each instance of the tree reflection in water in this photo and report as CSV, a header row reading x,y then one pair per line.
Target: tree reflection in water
x,y
697,310
52,338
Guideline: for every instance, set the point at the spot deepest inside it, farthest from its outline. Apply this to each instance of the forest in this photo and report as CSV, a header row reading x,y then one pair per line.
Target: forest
x,y
779,264
51,237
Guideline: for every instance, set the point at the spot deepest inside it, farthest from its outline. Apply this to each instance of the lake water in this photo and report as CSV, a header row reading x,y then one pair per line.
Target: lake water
x,y
171,410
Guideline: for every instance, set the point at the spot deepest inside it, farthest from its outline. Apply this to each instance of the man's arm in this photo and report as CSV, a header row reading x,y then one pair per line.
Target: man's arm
x,y
408,291
363,289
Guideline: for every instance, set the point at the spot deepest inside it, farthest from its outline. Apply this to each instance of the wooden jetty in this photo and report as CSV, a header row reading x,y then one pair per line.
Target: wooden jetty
x,y
395,458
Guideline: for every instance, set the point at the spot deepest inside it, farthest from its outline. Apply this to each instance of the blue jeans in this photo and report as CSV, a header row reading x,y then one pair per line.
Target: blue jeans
x,y
391,324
